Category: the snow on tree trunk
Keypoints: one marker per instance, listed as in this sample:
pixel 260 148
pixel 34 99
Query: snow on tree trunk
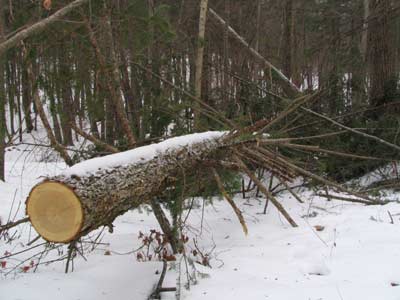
pixel 93 193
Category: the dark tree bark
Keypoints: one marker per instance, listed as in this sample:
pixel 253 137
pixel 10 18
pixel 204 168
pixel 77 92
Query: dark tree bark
pixel 26 96
pixel 2 97
pixel 381 56
pixel 42 114
pixel 287 38
pixel 67 113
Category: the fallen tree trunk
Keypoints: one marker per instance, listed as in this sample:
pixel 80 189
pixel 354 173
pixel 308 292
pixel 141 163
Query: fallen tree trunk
pixel 93 193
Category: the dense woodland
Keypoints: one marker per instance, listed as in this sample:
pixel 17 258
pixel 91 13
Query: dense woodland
pixel 126 73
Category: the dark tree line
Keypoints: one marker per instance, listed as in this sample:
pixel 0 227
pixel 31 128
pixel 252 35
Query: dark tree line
pixel 121 73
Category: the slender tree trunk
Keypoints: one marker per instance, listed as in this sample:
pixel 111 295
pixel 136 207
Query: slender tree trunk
pixel 225 69
pixel 115 77
pixel 26 97
pixel 381 55
pixel 113 82
pixel 39 107
pixel 2 97
pixel 357 96
pixel 54 116
pixel 67 113
pixel 10 91
pixel 19 98
pixel 364 34
pixel 258 25
pixel 199 61
pixel 287 38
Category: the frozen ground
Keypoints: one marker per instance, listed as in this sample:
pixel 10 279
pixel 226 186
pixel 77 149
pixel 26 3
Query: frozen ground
pixel 355 256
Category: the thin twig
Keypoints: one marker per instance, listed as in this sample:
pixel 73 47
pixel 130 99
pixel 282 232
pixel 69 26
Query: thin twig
pixel 93 139
pixel 34 240
pixel 158 289
pixel 10 225
pixel 337 153
pixel 290 190
pixel 70 256
pixel 295 106
pixel 351 199
pixel 326 181
pixel 22 251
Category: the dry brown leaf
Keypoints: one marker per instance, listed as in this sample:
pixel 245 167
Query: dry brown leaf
pixel 319 227
pixel 47 4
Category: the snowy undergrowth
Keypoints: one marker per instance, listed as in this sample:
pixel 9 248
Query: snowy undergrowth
pixel 355 256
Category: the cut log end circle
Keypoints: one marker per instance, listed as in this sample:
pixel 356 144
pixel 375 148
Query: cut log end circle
pixel 55 212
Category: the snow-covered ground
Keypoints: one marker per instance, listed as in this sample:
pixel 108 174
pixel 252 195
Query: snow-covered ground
pixel 355 256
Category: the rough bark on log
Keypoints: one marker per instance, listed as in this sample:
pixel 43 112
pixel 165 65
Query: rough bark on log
pixel 65 207
pixel 93 193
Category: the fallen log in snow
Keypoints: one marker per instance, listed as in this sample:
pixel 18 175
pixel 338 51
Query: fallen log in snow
pixel 93 193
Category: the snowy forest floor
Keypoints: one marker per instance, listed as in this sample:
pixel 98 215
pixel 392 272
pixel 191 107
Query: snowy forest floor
pixel 355 256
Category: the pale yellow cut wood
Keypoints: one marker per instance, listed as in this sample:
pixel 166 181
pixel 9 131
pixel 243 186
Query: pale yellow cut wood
pixel 55 212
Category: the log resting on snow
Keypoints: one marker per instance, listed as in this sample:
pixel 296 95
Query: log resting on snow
pixel 93 193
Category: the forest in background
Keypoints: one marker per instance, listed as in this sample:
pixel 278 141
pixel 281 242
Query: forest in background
pixel 123 73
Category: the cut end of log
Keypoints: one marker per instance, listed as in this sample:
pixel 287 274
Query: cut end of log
pixel 55 212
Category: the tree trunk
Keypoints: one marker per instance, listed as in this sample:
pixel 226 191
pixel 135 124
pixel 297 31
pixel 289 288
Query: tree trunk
pixel 114 103
pixel 287 38
pixel 90 195
pixel 199 61
pixel 67 113
pixel 381 55
pixel 364 33
pixel 26 96
pixel 2 98
pixel 39 107
pixel 11 91
pixel 116 84
pixel 54 115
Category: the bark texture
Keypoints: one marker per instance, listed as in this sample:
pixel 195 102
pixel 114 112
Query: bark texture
pixel 94 194
pixel 381 55
pixel 2 100
pixel 108 193
pixel 200 58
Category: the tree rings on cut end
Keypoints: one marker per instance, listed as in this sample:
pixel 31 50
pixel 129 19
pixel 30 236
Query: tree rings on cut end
pixel 55 212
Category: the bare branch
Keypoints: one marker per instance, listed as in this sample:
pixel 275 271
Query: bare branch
pixel 10 225
pixel 366 135
pixel 93 139
pixel 39 26
pixel 230 201
pixel 262 188
pixel 290 89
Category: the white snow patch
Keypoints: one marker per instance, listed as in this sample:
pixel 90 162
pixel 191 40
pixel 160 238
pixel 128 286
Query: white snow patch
pixel 357 253
pixel 107 277
pixel 387 172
